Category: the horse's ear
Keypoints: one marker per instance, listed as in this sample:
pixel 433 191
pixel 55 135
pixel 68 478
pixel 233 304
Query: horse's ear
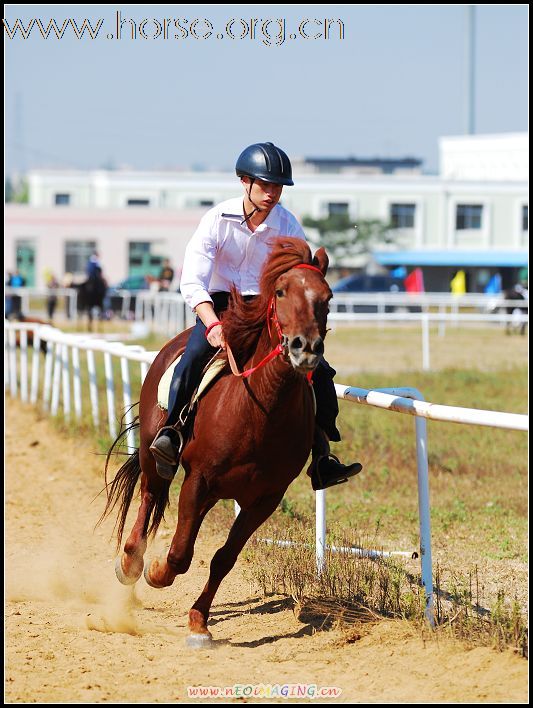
pixel 321 260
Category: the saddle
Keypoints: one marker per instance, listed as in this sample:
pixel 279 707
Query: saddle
pixel 210 374
pixel 168 452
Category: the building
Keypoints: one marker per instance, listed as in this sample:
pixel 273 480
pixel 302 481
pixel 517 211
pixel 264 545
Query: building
pixel 472 216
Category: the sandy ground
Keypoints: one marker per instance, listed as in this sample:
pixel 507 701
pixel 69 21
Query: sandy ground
pixel 75 635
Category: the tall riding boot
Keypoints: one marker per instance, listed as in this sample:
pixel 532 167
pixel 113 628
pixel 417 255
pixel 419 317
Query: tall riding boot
pixel 166 449
pixel 325 469
pixel 169 441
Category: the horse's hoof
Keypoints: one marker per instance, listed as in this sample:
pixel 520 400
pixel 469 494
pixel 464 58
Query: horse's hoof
pixel 147 578
pixel 199 641
pixel 123 578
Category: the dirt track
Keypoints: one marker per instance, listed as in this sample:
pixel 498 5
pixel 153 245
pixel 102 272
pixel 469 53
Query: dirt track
pixel 75 635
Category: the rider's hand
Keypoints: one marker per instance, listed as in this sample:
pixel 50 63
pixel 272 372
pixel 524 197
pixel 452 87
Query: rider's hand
pixel 216 337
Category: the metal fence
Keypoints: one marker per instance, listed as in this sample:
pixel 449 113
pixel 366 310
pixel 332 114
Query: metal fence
pixel 61 376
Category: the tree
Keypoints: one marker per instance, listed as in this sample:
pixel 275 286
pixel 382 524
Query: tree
pixel 17 192
pixel 342 238
pixel 8 190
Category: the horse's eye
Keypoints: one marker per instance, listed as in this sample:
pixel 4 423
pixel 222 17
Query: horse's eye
pixel 279 293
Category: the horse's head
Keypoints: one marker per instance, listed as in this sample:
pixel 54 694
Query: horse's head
pixel 301 297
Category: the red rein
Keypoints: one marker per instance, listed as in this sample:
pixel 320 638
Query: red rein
pixel 271 314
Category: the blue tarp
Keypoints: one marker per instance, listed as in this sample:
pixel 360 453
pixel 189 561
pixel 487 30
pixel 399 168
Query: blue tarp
pixel 498 259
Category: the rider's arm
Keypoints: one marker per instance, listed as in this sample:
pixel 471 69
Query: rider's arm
pixel 199 262
pixel 207 314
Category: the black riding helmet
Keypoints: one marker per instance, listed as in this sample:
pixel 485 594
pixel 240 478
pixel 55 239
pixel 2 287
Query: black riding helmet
pixel 265 161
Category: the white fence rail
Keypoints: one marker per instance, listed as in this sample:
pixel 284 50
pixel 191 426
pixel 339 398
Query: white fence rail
pixel 168 311
pixel 60 379
pixel 26 296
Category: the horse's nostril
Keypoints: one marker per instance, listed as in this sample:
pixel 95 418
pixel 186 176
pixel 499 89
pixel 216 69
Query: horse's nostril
pixel 318 346
pixel 297 343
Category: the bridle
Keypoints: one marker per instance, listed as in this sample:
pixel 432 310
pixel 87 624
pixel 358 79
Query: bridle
pixel 283 345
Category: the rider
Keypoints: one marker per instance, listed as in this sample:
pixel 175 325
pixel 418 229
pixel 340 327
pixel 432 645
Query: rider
pixel 229 248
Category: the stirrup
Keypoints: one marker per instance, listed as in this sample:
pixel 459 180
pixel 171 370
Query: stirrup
pixel 321 481
pixel 167 461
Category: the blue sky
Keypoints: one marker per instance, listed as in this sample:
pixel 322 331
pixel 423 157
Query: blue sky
pixel 390 87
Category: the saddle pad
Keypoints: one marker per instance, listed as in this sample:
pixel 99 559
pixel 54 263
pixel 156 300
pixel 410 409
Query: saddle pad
pixel 210 375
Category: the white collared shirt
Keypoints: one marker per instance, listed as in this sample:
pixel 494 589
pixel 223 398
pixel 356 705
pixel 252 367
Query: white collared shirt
pixel 224 252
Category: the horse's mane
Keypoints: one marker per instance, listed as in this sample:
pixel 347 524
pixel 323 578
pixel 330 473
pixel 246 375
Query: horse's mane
pixel 244 321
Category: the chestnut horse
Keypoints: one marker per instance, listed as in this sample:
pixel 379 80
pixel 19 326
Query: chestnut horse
pixel 250 437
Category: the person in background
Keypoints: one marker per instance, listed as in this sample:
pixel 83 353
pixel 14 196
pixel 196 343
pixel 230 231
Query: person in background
pixel 94 266
pixel 68 282
pixel 52 284
pixel 16 281
pixel 166 276
pixel 8 303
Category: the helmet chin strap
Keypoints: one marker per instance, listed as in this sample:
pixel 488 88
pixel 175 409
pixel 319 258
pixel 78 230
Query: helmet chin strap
pixel 252 202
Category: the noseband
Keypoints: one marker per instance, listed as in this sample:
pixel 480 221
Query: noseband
pixel 282 347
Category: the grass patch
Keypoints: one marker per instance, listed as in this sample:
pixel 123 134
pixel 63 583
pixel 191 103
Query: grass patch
pixel 354 591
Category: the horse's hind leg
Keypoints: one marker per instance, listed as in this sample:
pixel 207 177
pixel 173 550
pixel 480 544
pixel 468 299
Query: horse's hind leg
pixel 246 523
pixel 194 503
pixel 129 566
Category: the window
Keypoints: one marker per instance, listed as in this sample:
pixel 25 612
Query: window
pixel 77 254
pixel 402 216
pixel 525 218
pixel 468 216
pixel 138 202
pixel 335 208
pixel 142 261
pixel 196 203
pixel 62 199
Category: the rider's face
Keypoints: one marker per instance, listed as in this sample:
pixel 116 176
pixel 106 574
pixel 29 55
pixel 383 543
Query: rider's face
pixel 264 195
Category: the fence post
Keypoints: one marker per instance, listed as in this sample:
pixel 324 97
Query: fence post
pixel 424 515
pixel 320 535
pixel 93 389
pixel 126 396
pixel 35 365
pixel 12 339
pixel 76 381
pixel 66 380
pixel 48 362
pixel 56 379
pixel 6 357
pixel 24 365
pixel 110 392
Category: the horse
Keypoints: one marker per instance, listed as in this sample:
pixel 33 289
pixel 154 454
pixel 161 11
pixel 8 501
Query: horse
pixel 519 312
pixel 91 294
pixel 251 435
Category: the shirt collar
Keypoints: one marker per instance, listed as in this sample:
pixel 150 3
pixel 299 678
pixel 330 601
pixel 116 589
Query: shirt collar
pixel 235 210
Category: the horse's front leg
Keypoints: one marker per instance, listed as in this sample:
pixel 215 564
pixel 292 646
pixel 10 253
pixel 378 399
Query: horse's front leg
pixel 246 523
pixel 194 503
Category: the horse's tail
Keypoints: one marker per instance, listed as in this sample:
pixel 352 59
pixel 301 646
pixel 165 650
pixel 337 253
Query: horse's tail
pixel 120 490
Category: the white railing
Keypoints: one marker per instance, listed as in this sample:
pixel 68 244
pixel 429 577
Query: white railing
pixel 58 378
pixel 27 294
pixel 167 312
pixel 446 301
